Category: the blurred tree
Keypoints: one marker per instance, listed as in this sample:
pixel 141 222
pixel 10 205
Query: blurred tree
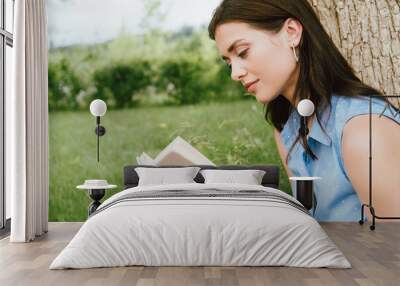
pixel 63 86
pixel 117 84
pixel 184 79
pixel 153 17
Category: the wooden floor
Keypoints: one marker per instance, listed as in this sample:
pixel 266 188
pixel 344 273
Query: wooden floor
pixel 374 255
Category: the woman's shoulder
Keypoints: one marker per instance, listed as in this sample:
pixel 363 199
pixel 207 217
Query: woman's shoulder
pixel 356 131
pixel 347 107
pixel 334 117
pixel 346 104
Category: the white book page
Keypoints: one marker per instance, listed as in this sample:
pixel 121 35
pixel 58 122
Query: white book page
pixel 145 159
pixel 179 151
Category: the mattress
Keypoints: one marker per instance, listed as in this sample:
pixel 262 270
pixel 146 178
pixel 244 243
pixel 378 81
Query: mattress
pixel 201 225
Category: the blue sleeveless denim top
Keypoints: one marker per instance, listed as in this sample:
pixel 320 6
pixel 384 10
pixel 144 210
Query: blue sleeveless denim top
pixel 337 200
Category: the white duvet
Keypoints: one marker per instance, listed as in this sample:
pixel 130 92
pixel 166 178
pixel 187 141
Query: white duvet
pixel 200 231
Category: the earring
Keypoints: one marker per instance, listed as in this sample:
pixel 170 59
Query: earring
pixel 294 53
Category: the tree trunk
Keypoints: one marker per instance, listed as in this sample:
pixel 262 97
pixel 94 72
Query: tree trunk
pixel 367 32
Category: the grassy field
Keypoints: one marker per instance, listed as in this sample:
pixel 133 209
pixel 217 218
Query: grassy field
pixel 227 133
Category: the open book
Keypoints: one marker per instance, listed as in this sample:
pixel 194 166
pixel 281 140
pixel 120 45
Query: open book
pixel 178 152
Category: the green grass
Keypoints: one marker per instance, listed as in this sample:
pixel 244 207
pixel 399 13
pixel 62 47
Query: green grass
pixel 227 133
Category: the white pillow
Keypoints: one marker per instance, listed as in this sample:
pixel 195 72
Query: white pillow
pixel 162 176
pixel 249 177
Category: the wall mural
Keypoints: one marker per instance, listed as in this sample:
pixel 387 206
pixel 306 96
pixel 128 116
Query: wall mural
pixel 162 79
pixel 161 85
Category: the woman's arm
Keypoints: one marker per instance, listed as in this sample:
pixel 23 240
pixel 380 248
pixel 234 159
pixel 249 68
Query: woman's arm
pixel 385 161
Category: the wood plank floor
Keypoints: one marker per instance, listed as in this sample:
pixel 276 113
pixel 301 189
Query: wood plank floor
pixel 374 255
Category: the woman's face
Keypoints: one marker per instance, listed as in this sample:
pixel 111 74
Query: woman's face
pixel 262 61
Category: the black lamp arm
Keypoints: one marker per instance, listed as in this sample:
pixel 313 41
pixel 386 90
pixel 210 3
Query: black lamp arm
pixel 99 131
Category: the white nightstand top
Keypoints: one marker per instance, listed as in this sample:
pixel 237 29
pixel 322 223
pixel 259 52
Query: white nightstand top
pixel 96 185
pixel 304 178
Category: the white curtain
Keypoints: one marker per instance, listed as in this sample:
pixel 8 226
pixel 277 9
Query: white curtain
pixel 27 124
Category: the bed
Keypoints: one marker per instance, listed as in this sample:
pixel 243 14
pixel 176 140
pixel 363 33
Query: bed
pixel 201 224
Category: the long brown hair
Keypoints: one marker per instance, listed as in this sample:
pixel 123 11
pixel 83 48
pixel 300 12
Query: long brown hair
pixel 323 69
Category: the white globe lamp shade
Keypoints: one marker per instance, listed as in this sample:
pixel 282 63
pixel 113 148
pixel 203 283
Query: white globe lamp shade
pixel 98 107
pixel 305 107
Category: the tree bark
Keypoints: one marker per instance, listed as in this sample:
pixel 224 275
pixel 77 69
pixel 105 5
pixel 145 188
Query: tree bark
pixel 367 32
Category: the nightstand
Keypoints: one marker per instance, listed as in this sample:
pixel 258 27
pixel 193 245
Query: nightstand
pixel 96 190
pixel 304 190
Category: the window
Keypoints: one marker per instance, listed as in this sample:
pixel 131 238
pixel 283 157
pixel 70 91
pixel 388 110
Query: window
pixel 6 43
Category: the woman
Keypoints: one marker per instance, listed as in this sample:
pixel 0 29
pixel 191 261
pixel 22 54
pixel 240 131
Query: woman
pixel 280 52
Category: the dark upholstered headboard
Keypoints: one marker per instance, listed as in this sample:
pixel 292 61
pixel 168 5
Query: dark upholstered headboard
pixel 270 179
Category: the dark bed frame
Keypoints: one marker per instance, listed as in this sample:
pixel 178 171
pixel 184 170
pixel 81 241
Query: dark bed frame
pixel 270 179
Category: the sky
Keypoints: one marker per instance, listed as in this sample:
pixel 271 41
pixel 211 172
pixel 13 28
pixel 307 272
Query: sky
pixel 93 21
